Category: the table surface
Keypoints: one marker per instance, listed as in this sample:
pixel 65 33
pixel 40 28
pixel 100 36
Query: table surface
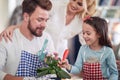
pixel 74 77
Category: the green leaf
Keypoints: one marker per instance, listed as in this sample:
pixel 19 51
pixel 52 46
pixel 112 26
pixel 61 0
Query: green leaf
pixel 64 74
pixel 42 69
pixel 53 69
pixel 42 73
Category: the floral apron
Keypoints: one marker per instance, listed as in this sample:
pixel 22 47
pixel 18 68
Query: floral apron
pixel 92 71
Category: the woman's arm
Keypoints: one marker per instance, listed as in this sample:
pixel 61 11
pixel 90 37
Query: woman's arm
pixel 8 32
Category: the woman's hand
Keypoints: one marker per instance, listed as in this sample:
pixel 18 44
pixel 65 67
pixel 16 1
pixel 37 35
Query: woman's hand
pixel 8 33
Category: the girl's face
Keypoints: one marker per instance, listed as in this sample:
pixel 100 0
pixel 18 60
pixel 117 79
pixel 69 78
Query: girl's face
pixel 75 6
pixel 90 35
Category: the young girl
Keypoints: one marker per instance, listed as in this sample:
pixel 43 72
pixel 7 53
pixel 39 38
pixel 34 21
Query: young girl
pixel 96 59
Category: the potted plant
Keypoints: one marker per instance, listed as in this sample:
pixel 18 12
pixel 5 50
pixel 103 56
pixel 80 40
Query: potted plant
pixel 52 68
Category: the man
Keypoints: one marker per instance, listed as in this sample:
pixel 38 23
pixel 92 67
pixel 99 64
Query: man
pixel 19 60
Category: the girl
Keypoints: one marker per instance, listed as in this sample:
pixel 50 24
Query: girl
pixel 96 59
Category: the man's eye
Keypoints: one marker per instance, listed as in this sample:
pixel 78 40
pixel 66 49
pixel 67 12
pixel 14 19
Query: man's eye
pixel 83 33
pixel 74 0
pixel 39 20
pixel 88 33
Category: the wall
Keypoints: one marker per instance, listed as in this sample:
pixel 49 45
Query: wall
pixel 3 14
pixel 6 9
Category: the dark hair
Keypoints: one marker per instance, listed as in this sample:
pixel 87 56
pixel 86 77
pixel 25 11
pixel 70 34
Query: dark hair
pixel 29 6
pixel 101 27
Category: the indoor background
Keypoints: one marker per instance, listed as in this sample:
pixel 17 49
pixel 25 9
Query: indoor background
pixel 108 9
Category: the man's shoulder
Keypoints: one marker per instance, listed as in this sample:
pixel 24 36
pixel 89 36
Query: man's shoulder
pixel 13 38
pixel 16 31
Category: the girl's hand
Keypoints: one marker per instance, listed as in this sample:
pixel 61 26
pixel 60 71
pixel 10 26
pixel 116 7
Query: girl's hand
pixel 65 64
pixel 65 55
pixel 8 33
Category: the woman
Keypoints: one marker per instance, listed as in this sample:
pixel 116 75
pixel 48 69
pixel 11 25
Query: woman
pixel 65 21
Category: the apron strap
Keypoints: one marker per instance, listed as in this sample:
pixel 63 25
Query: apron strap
pixel 84 57
pixel 102 54
pixel 100 57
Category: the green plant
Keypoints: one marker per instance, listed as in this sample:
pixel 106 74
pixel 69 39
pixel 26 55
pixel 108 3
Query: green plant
pixel 52 68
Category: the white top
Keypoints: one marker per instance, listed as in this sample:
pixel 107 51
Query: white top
pixel 10 52
pixel 57 28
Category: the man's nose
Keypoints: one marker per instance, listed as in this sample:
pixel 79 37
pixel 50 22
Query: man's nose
pixel 44 23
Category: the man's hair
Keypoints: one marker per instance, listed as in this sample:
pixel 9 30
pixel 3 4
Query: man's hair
pixel 29 6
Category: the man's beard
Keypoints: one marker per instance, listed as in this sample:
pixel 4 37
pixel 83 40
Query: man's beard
pixel 34 31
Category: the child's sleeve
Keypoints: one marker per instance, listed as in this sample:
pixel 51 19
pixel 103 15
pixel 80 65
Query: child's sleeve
pixel 77 67
pixel 112 66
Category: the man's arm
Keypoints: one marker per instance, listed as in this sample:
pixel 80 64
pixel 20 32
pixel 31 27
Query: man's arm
pixel 3 58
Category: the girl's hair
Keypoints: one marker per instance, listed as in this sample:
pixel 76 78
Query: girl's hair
pixel 101 27
pixel 89 8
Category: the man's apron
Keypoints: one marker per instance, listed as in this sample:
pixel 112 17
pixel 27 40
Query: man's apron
pixel 28 65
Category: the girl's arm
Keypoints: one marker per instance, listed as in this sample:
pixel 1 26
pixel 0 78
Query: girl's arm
pixel 77 67
pixel 112 66
pixel 8 32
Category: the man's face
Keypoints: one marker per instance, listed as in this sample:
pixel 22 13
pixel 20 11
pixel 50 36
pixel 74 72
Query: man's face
pixel 37 21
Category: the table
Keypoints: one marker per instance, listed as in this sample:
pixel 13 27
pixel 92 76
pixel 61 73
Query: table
pixel 74 77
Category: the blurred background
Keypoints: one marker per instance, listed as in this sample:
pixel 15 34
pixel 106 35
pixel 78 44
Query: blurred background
pixel 108 9
pixel 6 10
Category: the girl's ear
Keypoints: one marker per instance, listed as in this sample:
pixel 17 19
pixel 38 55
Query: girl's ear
pixel 98 35
pixel 26 17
